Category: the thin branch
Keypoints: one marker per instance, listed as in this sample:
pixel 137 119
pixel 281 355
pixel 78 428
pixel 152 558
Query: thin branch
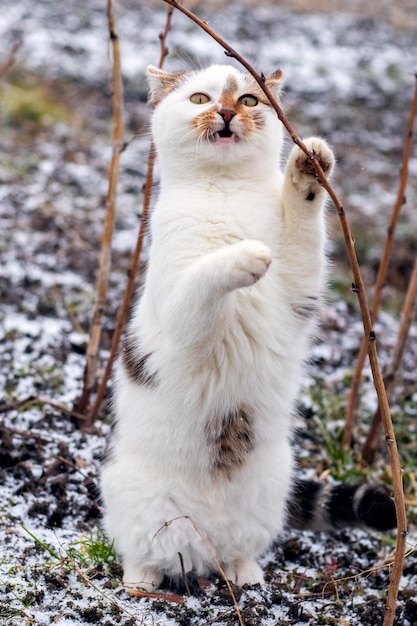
pixel 122 312
pixel 4 67
pixel 382 272
pixel 366 319
pixel 22 405
pixel 157 595
pixel 213 556
pixel 132 272
pixel 407 317
pixel 90 373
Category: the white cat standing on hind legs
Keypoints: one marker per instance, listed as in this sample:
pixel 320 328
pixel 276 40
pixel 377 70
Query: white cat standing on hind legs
pixel 200 463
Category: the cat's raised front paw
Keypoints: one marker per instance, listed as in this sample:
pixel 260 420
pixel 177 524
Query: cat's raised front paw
pixel 301 167
pixel 251 262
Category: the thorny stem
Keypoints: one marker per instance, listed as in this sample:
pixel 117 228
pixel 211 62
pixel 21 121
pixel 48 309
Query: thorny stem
pixel 366 319
pixel 132 272
pixel 382 272
pixel 90 373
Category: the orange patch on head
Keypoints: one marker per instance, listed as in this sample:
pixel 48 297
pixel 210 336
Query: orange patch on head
pixel 203 122
pixel 228 98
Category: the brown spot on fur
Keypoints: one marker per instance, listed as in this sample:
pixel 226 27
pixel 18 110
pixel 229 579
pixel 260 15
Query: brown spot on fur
pixel 231 439
pixel 136 365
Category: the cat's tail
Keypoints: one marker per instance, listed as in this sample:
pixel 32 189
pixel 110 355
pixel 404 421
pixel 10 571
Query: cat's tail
pixel 314 505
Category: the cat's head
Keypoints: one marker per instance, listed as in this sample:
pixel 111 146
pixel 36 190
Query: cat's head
pixel 214 118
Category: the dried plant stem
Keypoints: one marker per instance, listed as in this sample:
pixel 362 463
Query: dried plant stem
pixel 157 595
pixel 122 312
pixel 213 556
pixel 372 442
pixel 358 287
pixel 22 405
pixel 90 373
pixel 4 67
pixel 382 273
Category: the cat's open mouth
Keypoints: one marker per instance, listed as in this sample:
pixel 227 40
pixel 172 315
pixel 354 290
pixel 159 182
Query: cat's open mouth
pixel 225 136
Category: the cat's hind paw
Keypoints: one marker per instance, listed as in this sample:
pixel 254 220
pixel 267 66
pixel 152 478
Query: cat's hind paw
pixel 147 579
pixel 242 572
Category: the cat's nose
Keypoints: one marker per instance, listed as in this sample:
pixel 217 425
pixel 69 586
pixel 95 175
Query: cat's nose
pixel 227 114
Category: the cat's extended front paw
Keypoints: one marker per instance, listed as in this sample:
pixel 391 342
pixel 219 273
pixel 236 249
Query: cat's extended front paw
pixel 252 259
pixel 301 168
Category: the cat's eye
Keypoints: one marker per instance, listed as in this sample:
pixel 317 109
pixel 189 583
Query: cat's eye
pixel 199 98
pixel 248 100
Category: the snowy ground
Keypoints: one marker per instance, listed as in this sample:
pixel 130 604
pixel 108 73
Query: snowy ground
pixel 348 77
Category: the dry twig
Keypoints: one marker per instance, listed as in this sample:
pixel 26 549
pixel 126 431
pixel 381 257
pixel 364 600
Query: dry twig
pixel 22 405
pixel 122 312
pixel 213 556
pixel 382 273
pixel 358 287
pixel 4 67
pixel 372 441
pixel 90 372
pixel 157 595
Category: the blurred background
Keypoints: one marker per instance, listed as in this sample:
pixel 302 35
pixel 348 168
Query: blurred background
pixel 349 76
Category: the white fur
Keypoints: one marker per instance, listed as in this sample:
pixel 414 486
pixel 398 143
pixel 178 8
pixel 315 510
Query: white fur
pixel 237 253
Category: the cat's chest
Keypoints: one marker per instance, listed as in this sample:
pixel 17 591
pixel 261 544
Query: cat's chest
pixel 220 212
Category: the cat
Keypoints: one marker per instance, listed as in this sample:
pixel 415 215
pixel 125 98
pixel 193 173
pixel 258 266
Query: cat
pixel 200 475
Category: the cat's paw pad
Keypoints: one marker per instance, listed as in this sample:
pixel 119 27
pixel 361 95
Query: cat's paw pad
pixel 252 261
pixel 302 170
pixel 243 572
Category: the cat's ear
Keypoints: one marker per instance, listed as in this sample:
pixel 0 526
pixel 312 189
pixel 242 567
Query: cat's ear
pixel 162 83
pixel 273 81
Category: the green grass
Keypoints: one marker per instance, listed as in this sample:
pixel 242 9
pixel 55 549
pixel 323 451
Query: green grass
pixel 93 549
pixel 29 101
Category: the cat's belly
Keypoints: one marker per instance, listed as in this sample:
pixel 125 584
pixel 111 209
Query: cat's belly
pixel 201 520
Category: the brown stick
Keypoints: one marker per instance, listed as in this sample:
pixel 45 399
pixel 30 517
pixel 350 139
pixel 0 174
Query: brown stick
pixel 122 312
pixel 90 372
pixel 157 595
pixel 372 442
pixel 358 287
pixel 132 272
pixel 382 273
pixel 4 67
pixel 212 553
